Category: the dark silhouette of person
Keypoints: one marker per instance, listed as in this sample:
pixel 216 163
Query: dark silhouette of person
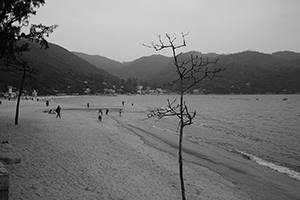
pixel 122 103
pixel 47 103
pixel 88 105
pixel 100 115
pixel 58 112
pixel 120 112
pixel 106 112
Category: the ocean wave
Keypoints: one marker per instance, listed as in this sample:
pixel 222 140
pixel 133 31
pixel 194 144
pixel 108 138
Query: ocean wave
pixel 284 170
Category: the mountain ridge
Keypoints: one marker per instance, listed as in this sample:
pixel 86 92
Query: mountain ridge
pixel 247 72
pixel 59 71
pixel 129 69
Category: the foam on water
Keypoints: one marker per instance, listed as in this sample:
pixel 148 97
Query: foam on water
pixel 284 170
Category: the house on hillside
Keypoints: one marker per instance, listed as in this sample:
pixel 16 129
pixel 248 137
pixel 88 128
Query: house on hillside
pixel 159 91
pixel 12 92
pixel 34 93
pixel 87 90
pixel 109 91
pixel 139 89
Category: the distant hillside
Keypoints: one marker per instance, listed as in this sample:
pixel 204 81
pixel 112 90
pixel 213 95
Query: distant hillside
pixel 109 65
pixel 287 55
pixel 168 73
pixel 247 73
pixel 59 71
pixel 143 68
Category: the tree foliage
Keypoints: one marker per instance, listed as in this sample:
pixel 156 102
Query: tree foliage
pixel 14 15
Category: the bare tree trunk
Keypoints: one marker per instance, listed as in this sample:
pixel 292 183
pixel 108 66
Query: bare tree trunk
pixel 19 97
pixel 181 163
pixel 180 145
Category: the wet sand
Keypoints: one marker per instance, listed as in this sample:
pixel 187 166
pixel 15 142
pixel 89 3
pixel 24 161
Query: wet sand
pixel 78 157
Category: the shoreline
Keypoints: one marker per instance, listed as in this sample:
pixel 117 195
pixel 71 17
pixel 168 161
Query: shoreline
pixel 208 175
pixel 258 181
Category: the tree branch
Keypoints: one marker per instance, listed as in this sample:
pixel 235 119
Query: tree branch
pixel 187 77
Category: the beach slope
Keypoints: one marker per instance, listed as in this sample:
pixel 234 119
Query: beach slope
pixel 78 157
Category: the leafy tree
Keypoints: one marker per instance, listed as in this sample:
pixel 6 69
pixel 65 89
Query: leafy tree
pixel 14 15
pixel 130 85
pixel 190 72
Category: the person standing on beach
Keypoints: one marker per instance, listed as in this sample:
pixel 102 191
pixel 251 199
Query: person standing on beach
pixel 120 112
pixel 58 112
pixel 100 115
pixel 106 112
pixel 88 105
pixel 122 103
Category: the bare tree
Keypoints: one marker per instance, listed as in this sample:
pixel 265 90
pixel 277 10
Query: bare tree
pixel 190 72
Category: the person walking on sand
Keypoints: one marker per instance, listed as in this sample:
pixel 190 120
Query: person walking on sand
pixel 100 115
pixel 120 112
pixel 123 103
pixel 58 112
pixel 106 112
pixel 88 105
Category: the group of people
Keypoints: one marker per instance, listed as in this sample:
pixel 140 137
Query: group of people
pixel 123 103
pixel 100 113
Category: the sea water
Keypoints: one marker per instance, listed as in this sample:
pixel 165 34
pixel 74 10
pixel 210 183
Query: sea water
pixel 262 128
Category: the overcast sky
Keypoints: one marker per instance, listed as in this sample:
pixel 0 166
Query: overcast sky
pixel 116 28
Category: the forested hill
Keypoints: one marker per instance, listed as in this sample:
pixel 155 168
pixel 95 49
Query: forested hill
pixel 246 73
pixel 59 71
pixel 144 68
pixel 104 63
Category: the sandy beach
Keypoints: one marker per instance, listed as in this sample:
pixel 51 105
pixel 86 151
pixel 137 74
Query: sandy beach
pixel 78 157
